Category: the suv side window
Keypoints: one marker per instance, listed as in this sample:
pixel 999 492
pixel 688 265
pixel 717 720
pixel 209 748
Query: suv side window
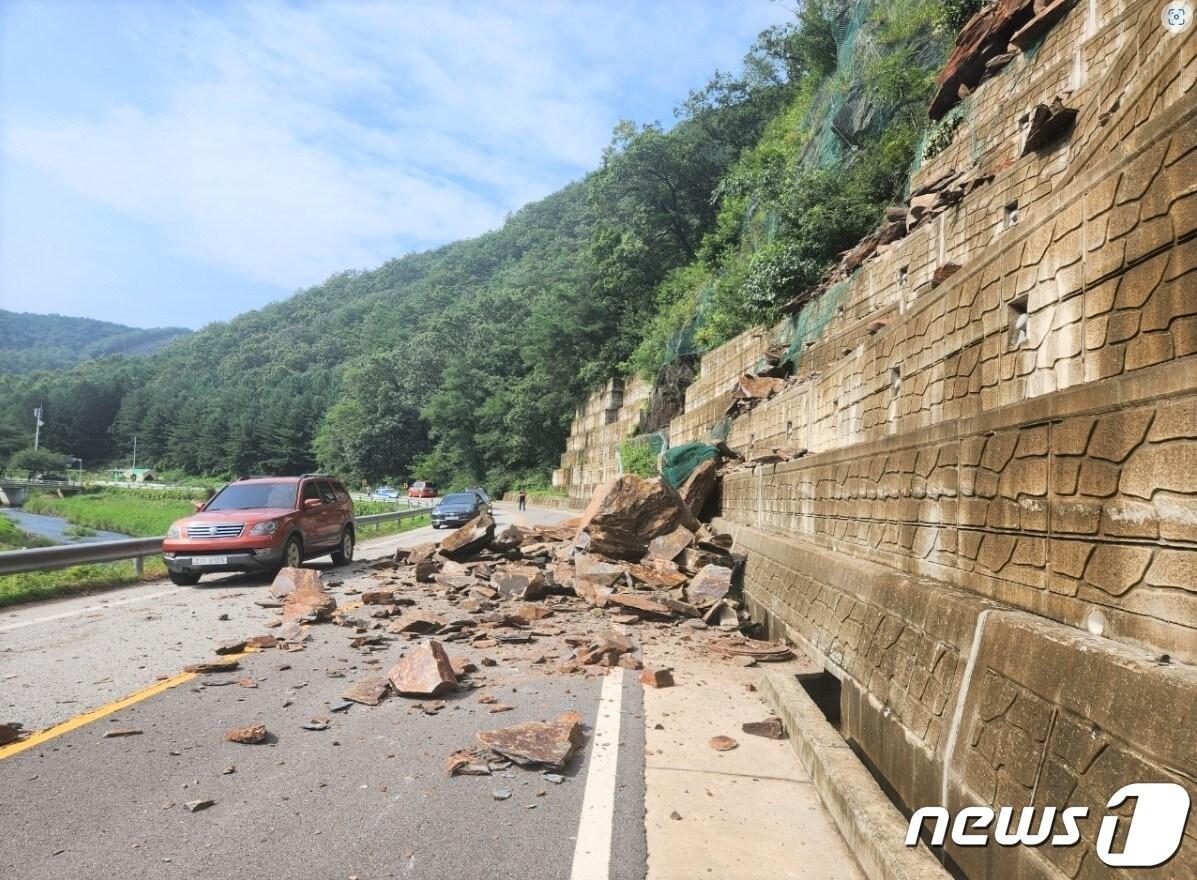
pixel 310 491
pixel 339 491
pixel 326 493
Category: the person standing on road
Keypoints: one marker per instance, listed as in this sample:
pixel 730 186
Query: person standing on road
pixel 523 500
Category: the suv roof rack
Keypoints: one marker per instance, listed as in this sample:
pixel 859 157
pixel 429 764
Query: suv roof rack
pixel 323 476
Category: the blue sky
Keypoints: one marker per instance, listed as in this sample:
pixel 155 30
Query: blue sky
pixel 169 163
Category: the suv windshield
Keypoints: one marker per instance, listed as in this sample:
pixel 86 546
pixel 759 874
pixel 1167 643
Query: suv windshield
pixel 243 496
pixel 467 498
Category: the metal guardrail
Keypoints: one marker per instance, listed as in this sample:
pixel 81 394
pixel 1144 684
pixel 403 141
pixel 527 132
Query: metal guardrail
pixel 47 558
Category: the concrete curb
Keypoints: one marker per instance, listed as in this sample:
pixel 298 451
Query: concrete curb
pixel 871 825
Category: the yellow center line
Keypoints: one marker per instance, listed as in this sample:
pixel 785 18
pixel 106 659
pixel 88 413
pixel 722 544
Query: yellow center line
pixel 86 718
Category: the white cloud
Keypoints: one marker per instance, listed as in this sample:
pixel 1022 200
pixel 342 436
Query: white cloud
pixel 286 143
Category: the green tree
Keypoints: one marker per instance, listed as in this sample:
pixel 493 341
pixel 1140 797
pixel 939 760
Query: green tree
pixel 37 461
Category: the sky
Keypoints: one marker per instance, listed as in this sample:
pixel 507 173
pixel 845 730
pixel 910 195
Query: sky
pixel 171 163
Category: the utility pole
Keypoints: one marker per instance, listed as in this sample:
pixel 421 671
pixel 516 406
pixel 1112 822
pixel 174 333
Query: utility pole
pixel 37 426
pixel 134 452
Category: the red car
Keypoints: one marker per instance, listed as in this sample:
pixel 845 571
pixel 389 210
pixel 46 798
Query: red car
pixel 262 524
pixel 421 489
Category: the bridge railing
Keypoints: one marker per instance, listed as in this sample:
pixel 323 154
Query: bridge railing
pixel 137 549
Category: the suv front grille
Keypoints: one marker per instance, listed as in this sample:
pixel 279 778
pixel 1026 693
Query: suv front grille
pixel 215 530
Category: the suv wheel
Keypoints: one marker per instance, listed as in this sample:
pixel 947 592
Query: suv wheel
pixel 344 552
pixel 293 552
pixel 184 579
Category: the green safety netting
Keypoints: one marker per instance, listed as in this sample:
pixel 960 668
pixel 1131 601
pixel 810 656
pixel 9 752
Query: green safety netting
pixel 814 317
pixel 680 461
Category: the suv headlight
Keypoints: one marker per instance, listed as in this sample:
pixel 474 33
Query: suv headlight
pixel 175 531
pixel 264 528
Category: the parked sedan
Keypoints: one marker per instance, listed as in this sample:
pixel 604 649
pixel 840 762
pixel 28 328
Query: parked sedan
pixel 457 509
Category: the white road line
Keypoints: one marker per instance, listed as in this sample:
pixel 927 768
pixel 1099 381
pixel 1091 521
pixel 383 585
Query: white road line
pixel 86 610
pixel 592 854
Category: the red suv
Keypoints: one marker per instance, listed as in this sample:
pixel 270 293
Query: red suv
pixel 262 524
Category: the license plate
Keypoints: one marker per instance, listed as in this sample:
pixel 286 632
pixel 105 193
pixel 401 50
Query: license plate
pixel 209 560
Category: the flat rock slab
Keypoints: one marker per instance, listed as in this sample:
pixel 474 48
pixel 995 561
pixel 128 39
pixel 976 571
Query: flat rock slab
pixel 549 744
pixel 643 604
pixel 666 547
pixel 369 691
pixel 425 672
pixel 625 515
pixel 222 664
pixel 471 538
pixel 524 582
pixel 416 622
pixel 710 585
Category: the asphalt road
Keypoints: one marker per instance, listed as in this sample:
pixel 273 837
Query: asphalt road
pixel 369 797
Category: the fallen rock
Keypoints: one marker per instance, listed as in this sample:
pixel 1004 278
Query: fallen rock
pixel 425 570
pixel 723 743
pixel 710 585
pixel 369 691
pixel 699 485
pixel 425 672
pixel 223 664
pixel 266 641
pixel 196 806
pixel 1048 125
pixel 639 603
pixel 657 678
pixel 549 744
pixel 10 732
pixel 525 582
pixel 626 514
pixel 122 731
pixel 666 547
pixel 509 537
pixel 470 538
pixel 378 597
pixel 605 650
pixel 253 735
pixel 770 728
pixel 739 646
pixel 657 574
pixel 232 647
pixel 309 600
pixel 416 622
pixel 288 580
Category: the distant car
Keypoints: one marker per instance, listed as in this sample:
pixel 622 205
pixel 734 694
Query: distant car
pixel 386 492
pixel 482 496
pixel 263 524
pixel 457 509
pixel 421 489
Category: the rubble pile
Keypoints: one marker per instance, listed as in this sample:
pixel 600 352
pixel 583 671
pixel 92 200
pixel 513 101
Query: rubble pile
pixel 438 624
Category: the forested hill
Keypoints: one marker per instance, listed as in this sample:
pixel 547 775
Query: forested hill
pixel 31 342
pixel 464 364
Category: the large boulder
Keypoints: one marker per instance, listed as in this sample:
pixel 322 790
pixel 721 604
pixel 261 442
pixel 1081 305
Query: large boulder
pixel 307 600
pixel 626 514
pixel 474 537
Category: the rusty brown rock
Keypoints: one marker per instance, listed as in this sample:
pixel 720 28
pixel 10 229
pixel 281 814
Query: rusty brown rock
pixel 658 575
pixel 369 691
pixel 739 646
pixel 10 732
pixel 223 664
pixel 471 538
pixel 530 611
pixel 710 585
pixel 770 728
pixel 288 580
pixel 657 678
pixel 261 641
pixel 253 735
pixel 547 744
pixel 416 622
pixel 426 671
pixel 378 597
pixel 309 600
pixel 235 647
pixel 985 35
pixel 641 604
pixel 723 743
pixel 758 387
pixel 422 553
pixel 722 615
pixel 693 560
pixel 425 569
pixel 605 649
pixel 699 485
pixel 666 547
pixel 462 665
pixel 524 582
pixel 626 514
